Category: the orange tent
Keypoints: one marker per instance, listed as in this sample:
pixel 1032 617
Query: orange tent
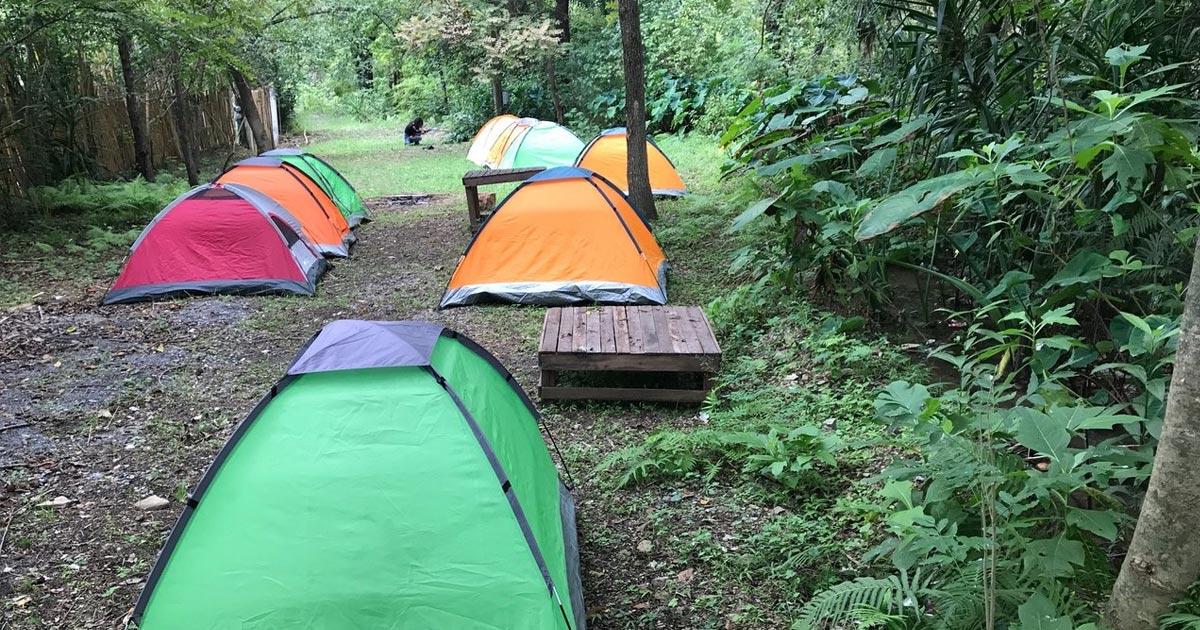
pixel 606 155
pixel 319 216
pixel 564 236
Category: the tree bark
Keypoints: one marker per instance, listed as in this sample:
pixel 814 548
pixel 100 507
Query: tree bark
pixel 562 19
pixel 497 96
pixel 142 156
pixel 262 136
pixel 181 116
pixel 562 15
pixel 635 107
pixel 555 98
pixel 1164 557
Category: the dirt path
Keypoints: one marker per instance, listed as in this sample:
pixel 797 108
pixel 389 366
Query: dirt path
pixel 105 406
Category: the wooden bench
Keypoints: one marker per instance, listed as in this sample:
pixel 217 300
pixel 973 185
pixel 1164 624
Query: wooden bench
pixel 672 339
pixel 472 180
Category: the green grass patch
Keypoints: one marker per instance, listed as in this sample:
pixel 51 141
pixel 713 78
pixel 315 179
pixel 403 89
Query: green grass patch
pixel 373 157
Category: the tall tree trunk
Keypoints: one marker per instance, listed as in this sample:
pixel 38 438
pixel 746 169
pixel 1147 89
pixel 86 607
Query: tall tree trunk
pixel 262 136
pixel 562 16
pixel 133 106
pixel 562 19
pixel 181 116
pixel 497 96
pixel 635 107
pixel 555 98
pixel 1164 558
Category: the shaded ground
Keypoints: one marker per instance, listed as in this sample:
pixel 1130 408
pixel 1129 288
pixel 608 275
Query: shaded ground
pixel 106 406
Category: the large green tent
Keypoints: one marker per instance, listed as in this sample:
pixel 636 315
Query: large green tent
pixel 395 478
pixel 330 180
pixel 543 144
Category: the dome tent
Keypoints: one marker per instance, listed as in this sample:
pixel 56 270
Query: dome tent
pixel 607 154
pixel 219 239
pixel 320 217
pixel 318 511
pixel 510 142
pixel 564 236
pixel 543 144
pixel 330 180
pixel 486 137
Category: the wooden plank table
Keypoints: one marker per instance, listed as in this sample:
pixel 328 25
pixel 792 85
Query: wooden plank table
pixel 675 339
pixel 472 180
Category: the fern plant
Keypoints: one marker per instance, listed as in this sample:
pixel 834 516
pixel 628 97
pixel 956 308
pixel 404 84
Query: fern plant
pixel 894 600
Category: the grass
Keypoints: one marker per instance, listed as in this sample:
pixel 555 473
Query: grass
pixel 373 157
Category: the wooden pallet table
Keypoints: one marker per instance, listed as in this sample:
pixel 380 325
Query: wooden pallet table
pixel 672 339
pixel 472 180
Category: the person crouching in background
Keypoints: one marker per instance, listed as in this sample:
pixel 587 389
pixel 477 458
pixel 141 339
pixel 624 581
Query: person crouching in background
pixel 412 133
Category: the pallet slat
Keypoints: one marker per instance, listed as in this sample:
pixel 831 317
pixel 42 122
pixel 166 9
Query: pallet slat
pixel 550 330
pixel 579 336
pixel 623 393
pixel 566 328
pixel 621 329
pixel 608 343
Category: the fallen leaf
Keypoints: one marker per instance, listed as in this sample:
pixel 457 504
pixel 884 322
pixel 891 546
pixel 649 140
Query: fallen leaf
pixel 55 502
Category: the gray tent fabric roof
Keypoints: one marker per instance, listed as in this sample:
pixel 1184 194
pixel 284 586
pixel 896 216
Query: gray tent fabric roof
pixel 353 344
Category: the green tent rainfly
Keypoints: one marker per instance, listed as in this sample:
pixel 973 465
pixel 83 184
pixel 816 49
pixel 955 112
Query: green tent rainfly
pixel 330 181
pixel 395 478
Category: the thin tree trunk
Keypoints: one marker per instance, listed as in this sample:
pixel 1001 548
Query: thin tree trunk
pixel 181 115
pixel 1164 558
pixel 635 107
pixel 497 96
pixel 555 98
pixel 133 106
pixel 262 136
pixel 562 15
pixel 562 18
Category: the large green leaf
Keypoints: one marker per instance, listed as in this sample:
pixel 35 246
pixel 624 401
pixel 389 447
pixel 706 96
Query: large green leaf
pixel 915 200
pixel 1053 557
pixel 1127 164
pixel 1039 614
pixel 903 132
pixel 1085 267
pixel 753 212
pixel 1043 434
pixel 877 162
pixel 1102 523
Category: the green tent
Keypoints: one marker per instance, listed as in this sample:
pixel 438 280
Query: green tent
pixel 330 181
pixel 395 478
pixel 542 143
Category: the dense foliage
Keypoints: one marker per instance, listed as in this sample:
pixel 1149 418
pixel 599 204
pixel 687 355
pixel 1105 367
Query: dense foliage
pixel 1034 168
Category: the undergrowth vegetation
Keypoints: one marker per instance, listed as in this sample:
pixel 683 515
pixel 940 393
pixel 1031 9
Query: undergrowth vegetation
pixel 1026 217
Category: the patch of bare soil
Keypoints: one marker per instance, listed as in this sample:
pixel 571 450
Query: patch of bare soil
pixel 101 407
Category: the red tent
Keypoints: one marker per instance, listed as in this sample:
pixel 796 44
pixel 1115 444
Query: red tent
pixel 219 239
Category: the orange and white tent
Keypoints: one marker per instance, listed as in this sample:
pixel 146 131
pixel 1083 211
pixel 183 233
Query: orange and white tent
pixel 320 219
pixel 606 154
pixel 481 146
pixel 564 236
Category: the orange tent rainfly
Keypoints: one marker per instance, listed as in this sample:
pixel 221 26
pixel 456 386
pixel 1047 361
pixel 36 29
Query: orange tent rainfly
pixel 606 154
pixel 564 236
pixel 319 216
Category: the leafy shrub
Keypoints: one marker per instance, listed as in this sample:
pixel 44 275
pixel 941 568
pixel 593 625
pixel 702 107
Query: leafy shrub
pixel 787 456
